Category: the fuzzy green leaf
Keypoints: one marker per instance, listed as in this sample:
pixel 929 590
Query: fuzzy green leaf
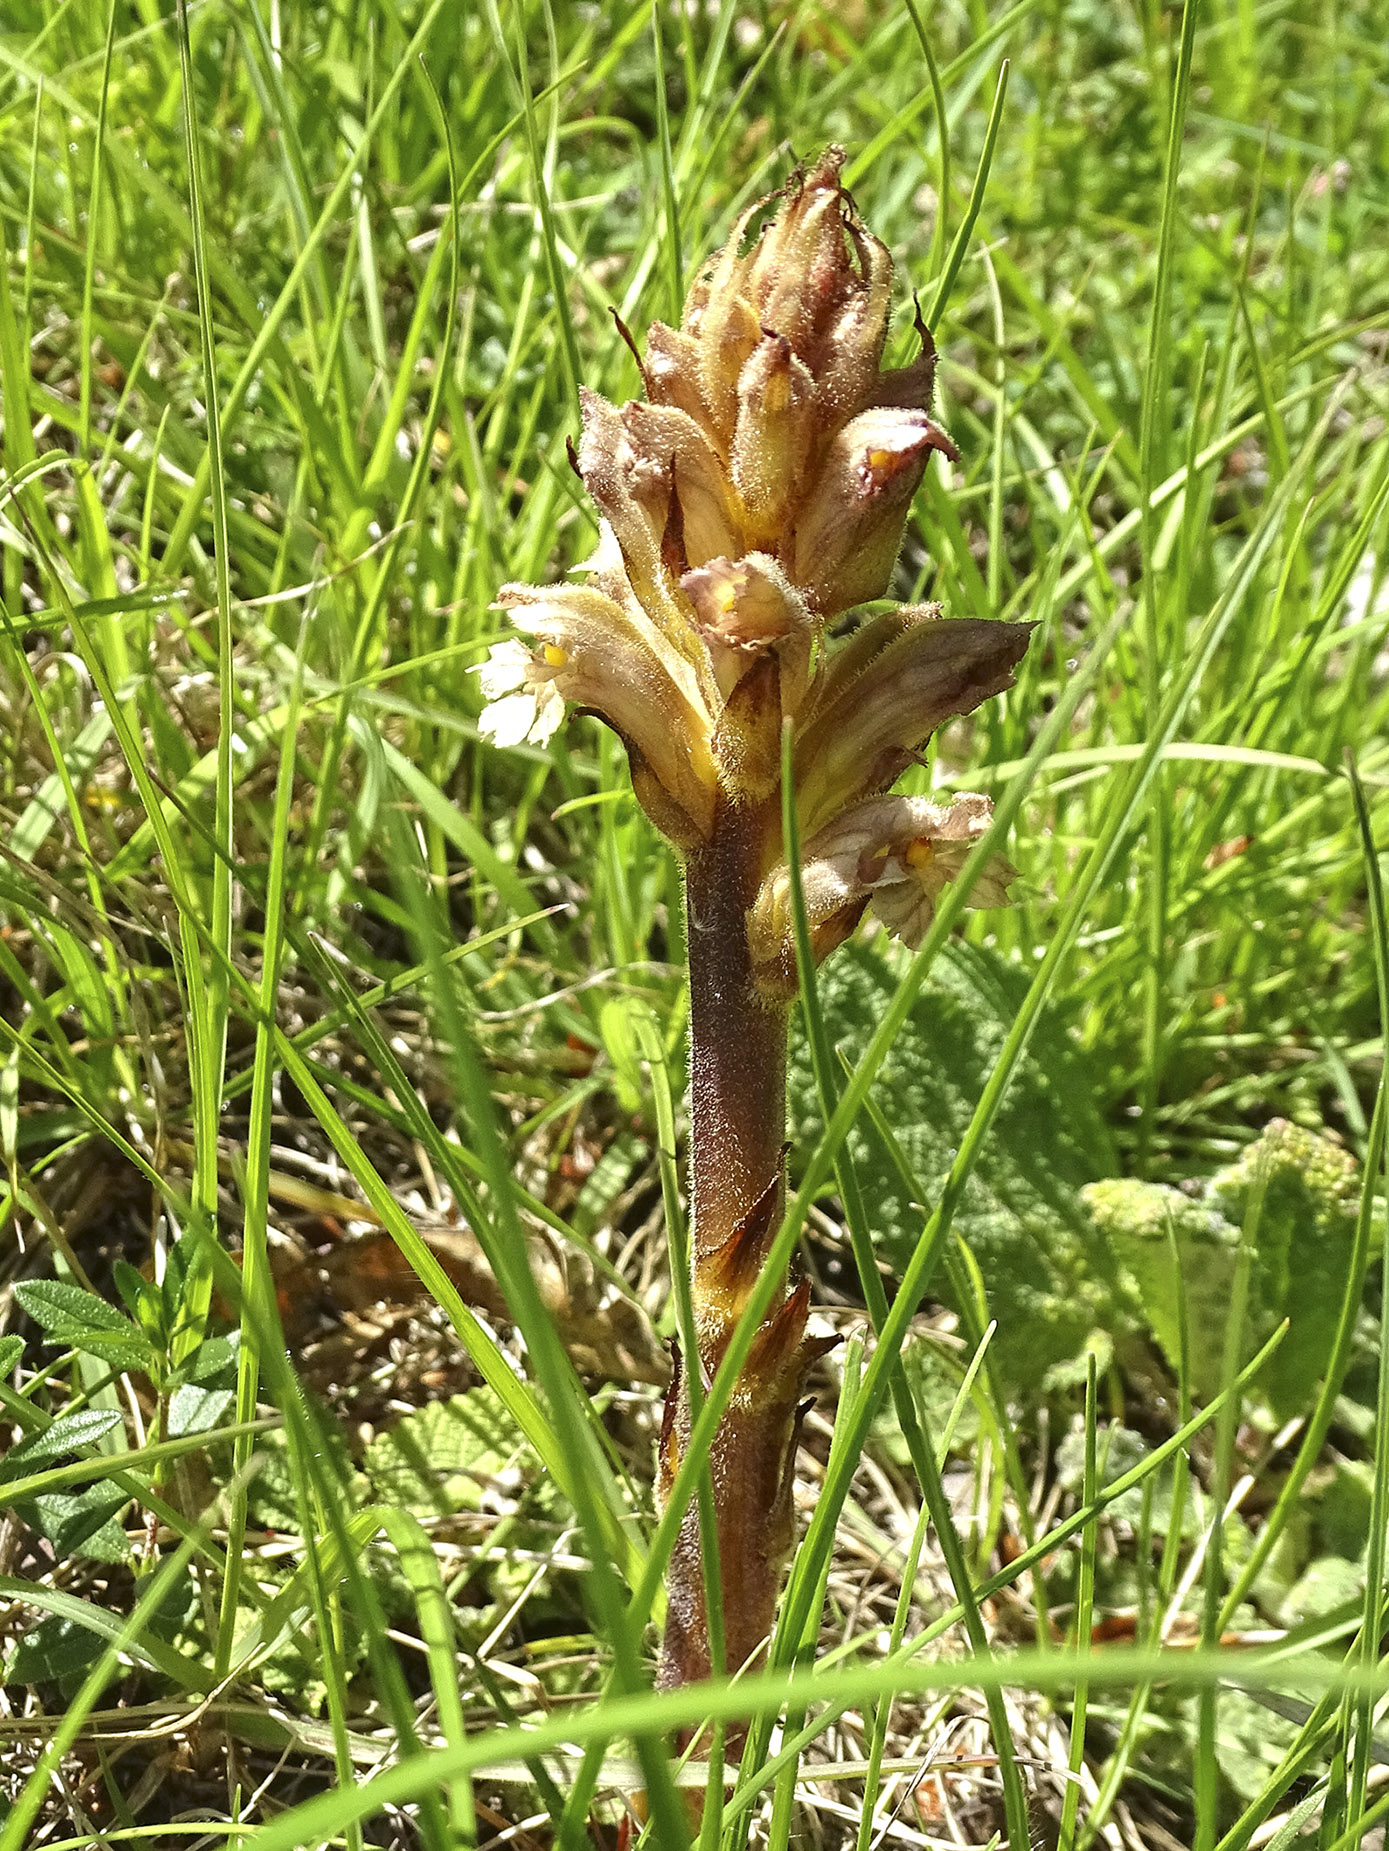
pixel 67 1434
pixel 1043 1267
pixel 1306 1229
pixel 1303 1234
pixel 60 1308
pixel 1140 1221
pixel 447 1456
pixel 68 1315
pixel 205 1387
pixel 272 1499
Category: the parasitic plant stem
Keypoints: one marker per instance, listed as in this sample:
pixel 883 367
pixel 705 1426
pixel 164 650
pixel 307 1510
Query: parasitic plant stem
pixel 748 503
pixel 737 1032
pixel 737 1125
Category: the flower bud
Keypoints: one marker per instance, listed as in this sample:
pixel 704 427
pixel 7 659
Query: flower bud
pixel 867 727
pixel 802 275
pixel 669 444
pixel 849 530
pixel 819 278
pixel 849 354
pixel 745 607
pixel 911 387
pixel 719 317
pixel 773 439
pixel 670 371
pixel 759 636
pixel 815 277
pixel 633 495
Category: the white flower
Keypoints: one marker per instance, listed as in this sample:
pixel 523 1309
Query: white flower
pixel 905 893
pixel 519 686
pixel 895 854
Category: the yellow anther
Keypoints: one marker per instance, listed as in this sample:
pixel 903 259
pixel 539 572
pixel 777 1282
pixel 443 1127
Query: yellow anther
pixel 555 656
pixel 921 853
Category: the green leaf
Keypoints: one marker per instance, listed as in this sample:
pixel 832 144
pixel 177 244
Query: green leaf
pixel 80 1523
pixel 1250 1742
pixel 1140 1220
pixel 1045 1271
pixel 620 1044
pixel 1118 1450
pixel 1345 1507
pixel 121 1353
pixel 193 1409
pixel 85 1322
pixel 1325 1585
pixel 56 1651
pixel 67 1434
pixel 142 1299
pixel 1306 1231
pixel 205 1386
pixel 272 1500
pixel 11 1349
pixel 60 1308
pixel 934 1379
pixel 446 1456
pixel 9 1103
pixel 99 1624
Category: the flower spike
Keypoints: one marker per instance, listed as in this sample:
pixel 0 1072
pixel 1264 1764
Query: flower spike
pixel 753 498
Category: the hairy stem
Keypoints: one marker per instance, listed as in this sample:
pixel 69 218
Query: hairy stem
pixel 737 1039
pixel 737 1127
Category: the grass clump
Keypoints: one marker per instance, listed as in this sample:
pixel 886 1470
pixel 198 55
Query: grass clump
pixel 341 1054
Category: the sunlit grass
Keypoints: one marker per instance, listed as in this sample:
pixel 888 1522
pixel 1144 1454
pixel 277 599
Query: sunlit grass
pixel 293 306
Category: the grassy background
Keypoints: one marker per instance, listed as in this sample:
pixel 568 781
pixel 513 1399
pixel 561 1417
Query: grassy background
pixel 293 306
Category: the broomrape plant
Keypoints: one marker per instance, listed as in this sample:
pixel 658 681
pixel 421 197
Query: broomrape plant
pixel 756 496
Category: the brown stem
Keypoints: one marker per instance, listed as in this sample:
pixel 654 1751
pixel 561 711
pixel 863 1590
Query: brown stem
pixel 737 1040
pixel 737 1127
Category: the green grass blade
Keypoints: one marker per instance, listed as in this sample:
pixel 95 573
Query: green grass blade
pixel 959 247
pixel 800 1608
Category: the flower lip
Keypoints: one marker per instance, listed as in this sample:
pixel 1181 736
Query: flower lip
pixel 880 462
pixel 523 704
pixel 893 853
